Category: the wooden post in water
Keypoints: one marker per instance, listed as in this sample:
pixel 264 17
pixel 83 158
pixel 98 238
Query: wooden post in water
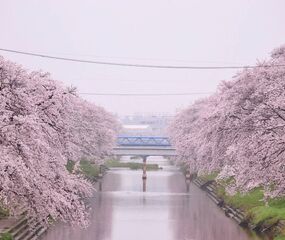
pixel 144 185
pixel 100 171
pixel 187 180
pixel 100 184
pixel 144 167
pixel 100 177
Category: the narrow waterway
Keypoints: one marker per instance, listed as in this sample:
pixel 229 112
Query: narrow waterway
pixel 122 211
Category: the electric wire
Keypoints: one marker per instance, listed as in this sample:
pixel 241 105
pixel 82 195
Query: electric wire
pixel 134 64
pixel 146 94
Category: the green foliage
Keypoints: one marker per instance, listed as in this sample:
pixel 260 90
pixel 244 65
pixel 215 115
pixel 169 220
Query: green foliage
pixel 246 201
pixel 135 166
pixel 6 236
pixel 113 163
pixel 277 203
pixel 209 177
pixel 131 165
pixel 254 206
pixel 267 215
pixel 252 202
pixel 270 214
pixel 279 238
pixel 70 165
pixel 89 170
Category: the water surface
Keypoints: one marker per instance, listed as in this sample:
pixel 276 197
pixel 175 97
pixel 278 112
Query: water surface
pixel 122 211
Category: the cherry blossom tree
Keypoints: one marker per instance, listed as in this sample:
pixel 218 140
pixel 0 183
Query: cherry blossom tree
pixel 239 130
pixel 91 130
pixel 39 120
pixel 259 153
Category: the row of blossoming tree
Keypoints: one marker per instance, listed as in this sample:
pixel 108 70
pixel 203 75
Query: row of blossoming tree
pixel 43 125
pixel 240 130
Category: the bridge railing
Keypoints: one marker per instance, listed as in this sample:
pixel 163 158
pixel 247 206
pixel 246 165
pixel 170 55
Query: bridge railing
pixel 143 141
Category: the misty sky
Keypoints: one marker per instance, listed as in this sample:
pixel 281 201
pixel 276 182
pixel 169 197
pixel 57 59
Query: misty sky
pixel 176 32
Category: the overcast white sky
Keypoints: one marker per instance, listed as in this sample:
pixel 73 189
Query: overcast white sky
pixel 177 32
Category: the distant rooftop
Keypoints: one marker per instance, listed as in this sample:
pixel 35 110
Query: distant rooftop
pixel 135 126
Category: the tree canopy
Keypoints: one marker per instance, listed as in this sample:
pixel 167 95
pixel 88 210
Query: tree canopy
pixel 43 124
pixel 240 130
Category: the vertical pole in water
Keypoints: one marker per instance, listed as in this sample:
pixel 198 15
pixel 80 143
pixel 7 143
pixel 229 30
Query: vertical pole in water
pixel 188 180
pixel 100 177
pixel 144 167
pixel 100 171
pixel 144 173
pixel 100 185
pixel 144 185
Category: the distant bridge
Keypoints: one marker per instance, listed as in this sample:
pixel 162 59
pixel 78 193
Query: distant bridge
pixel 143 141
pixel 143 146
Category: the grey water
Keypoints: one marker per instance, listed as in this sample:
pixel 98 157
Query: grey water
pixel 167 210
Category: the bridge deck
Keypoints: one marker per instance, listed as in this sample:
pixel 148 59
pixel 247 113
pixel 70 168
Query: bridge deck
pixel 144 151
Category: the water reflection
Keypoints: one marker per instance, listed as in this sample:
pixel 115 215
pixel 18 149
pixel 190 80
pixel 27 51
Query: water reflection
pixel 161 207
pixel 195 216
pixel 144 185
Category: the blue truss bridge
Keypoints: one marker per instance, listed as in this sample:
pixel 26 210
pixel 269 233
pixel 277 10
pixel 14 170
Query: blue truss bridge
pixel 143 146
pixel 143 141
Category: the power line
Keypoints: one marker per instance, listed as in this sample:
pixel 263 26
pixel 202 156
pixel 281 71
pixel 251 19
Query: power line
pixel 133 64
pixel 147 94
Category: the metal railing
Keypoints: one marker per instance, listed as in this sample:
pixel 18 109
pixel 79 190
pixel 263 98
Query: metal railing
pixel 143 141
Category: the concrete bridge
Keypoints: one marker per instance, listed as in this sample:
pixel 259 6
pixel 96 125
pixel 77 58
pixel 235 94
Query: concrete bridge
pixel 143 147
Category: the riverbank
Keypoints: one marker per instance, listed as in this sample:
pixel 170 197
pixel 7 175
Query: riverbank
pixel 131 165
pixel 249 209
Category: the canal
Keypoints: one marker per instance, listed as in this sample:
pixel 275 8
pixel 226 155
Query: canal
pixel 166 210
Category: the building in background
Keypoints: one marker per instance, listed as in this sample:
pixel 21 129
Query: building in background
pixel 145 125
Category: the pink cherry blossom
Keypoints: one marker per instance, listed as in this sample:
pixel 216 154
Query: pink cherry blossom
pixel 43 125
pixel 239 130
